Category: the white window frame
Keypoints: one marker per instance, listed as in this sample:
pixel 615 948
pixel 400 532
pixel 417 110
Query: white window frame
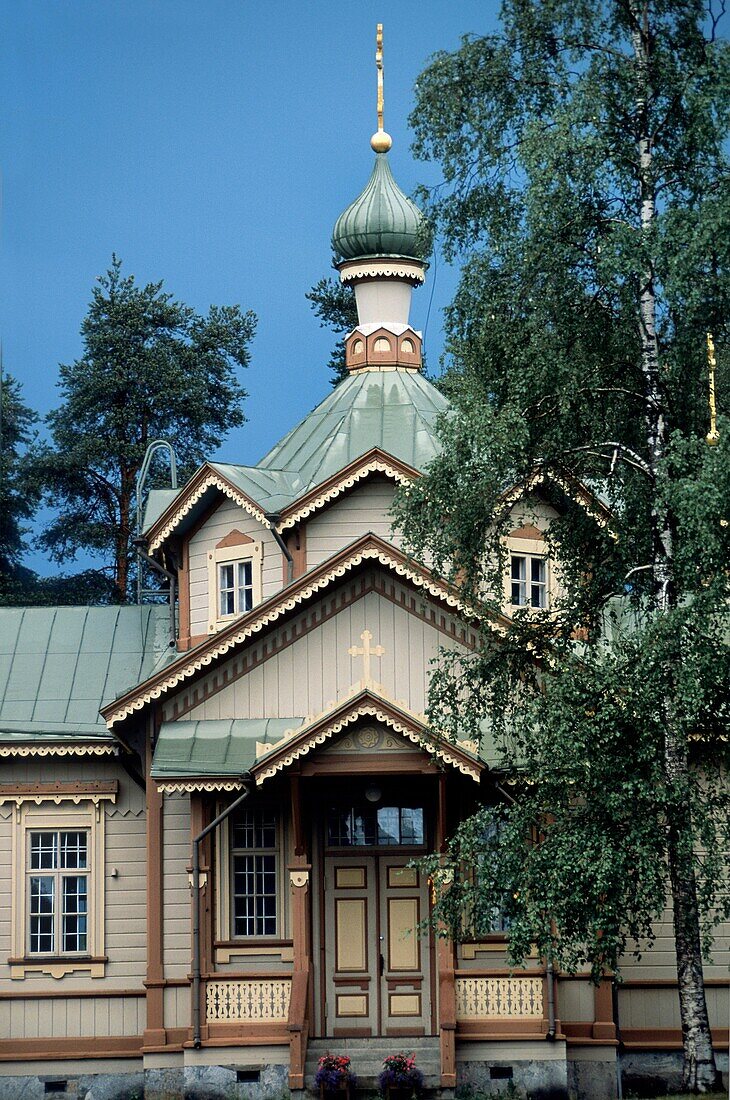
pixel 528 583
pixel 225 897
pixel 232 555
pixel 82 817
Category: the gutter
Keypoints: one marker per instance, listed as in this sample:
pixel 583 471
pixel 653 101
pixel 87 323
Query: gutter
pixel 246 779
pixel 274 518
pixel 550 997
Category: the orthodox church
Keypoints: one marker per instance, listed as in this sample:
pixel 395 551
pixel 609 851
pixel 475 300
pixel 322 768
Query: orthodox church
pixel 207 831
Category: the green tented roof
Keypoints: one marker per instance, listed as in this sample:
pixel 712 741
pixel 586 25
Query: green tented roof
pixel 393 410
pixel 215 747
pixel 59 665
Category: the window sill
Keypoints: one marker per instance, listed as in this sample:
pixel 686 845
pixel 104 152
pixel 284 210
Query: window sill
pixel 225 950
pixel 57 967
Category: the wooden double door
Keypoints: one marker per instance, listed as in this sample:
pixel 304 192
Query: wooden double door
pixel 378 968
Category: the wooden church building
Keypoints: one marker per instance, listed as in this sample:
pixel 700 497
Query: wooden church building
pixel 206 838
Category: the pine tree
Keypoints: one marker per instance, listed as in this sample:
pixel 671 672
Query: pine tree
pixel 17 502
pixel 152 368
pixel 585 191
pixel 334 304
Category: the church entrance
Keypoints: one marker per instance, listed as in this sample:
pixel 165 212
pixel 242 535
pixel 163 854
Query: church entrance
pixel 378 968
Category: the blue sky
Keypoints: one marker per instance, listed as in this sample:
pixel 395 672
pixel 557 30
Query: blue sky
pixel 211 145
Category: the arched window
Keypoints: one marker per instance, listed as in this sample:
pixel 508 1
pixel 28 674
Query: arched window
pixel 407 346
pixel 381 344
pixel 357 347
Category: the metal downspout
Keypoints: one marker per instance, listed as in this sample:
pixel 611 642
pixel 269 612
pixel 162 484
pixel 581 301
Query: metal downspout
pixel 272 518
pixel 140 546
pixel 246 780
pixel 551 997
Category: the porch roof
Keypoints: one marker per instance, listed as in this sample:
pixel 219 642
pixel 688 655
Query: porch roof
pixel 215 748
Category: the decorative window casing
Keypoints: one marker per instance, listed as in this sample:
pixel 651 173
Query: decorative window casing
pixel 234 582
pixel 529 581
pixel 250 886
pixel 57 923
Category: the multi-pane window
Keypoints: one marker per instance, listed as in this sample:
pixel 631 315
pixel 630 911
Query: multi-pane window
pixel 58 893
pixel 529 580
pixel 235 587
pixel 254 856
pixel 386 826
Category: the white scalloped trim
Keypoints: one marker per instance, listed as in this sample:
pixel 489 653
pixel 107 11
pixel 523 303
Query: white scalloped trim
pixel 376 466
pixel 584 500
pixel 288 604
pixel 199 785
pixel 211 481
pixel 379 269
pixel 59 797
pixel 360 711
pixel 59 750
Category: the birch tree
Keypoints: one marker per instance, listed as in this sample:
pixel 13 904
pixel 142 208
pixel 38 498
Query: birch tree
pixel 585 193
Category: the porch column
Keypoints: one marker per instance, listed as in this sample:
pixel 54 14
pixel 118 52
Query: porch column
pixel 445 968
pixel 300 893
pixel 154 1033
pixel 604 1026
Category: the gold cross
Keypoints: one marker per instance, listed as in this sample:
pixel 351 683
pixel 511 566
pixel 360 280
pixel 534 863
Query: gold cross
pixel 366 652
pixel 379 66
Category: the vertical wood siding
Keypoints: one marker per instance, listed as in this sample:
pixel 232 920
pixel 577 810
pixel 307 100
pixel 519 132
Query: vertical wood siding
pixel 176 888
pixel 226 518
pixel 364 509
pixel 312 672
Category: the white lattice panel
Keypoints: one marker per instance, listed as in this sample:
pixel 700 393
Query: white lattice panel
pixel 255 1001
pixel 478 998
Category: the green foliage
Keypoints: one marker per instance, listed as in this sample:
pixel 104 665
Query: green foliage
pixel 17 502
pixel 334 305
pixel 585 194
pixel 152 367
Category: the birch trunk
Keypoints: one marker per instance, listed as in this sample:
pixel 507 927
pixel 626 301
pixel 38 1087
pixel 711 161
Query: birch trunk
pixel 700 1072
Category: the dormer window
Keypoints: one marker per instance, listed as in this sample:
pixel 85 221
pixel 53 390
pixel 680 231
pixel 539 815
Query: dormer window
pixel 235 588
pixel 529 580
pixel 234 578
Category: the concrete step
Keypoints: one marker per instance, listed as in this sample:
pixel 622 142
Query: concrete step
pixel 367 1057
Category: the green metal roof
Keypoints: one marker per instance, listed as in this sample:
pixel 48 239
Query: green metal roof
pixel 59 665
pixel 382 221
pixel 215 747
pixel 393 410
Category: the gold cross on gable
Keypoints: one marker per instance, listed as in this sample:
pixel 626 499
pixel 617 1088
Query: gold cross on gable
pixel 366 651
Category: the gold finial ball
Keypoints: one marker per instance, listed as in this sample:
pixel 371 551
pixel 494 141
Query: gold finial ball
pixel 381 142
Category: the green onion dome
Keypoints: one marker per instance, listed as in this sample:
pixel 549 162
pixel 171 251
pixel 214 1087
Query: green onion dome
pixel 382 221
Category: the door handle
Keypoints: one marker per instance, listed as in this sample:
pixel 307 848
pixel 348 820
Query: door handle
pixel 382 965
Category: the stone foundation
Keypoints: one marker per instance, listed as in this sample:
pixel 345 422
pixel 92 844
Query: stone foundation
pixel 645 1074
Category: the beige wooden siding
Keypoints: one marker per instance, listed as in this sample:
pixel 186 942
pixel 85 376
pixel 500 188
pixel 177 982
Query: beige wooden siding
pixel 125 894
pixel 176 888
pixel 576 1000
pixel 59 1017
pixel 364 509
pixel 226 518
pixel 177 1006
pixel 308 675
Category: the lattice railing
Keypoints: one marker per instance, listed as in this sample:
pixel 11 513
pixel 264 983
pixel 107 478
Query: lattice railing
pixel 254 1001
pixel 479 998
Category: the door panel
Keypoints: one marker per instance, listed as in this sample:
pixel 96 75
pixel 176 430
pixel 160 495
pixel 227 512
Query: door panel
pixel 351 958
pixel 378 974
pixel 405 991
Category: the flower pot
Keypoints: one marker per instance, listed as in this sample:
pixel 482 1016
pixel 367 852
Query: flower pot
pixel 342 1092
pixel 400 1092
